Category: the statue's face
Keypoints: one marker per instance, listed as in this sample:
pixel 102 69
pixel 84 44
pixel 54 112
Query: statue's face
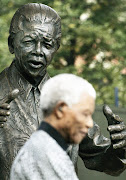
pixel 34 47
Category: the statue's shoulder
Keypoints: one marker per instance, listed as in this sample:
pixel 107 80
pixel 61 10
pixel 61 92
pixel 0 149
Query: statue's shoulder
pixel 3 77
pixel 2 74
pixel 4 86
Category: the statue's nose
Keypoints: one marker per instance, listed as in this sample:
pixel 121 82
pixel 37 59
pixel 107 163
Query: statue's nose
pixel 39 48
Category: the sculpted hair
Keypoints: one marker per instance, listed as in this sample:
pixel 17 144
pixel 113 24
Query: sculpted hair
pixel 35 13
pixel 64 87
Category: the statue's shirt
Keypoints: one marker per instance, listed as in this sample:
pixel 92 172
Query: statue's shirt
pixel 24 118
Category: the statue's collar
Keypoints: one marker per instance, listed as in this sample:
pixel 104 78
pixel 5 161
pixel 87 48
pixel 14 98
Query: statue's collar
pixel 17 81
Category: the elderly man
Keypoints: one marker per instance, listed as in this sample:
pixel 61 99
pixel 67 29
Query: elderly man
pixel 34 38
pixel 67 103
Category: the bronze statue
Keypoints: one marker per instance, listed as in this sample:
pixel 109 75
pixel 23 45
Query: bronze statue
pixel 34 38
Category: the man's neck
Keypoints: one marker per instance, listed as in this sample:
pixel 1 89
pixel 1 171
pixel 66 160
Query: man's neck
pixel 56 124
pixel 48 128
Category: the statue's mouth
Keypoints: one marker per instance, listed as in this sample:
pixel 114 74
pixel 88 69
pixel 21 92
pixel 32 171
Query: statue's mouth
pixel 36 64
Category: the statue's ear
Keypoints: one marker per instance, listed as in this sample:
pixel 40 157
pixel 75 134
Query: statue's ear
pixel 10 45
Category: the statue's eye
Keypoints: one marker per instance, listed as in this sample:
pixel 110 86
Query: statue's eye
pixel 28 43
pixel 47 45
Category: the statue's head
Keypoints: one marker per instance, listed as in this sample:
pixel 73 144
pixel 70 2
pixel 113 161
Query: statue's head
pixel 35 33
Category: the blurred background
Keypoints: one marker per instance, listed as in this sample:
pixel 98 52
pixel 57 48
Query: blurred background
pixel 93 43
pixel 93 46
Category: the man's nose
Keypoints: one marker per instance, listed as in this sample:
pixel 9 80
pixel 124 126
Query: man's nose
pixel 38 48
pixel 90 122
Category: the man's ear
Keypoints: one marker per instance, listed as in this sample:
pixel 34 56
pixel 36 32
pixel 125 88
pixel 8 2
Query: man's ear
pixel 60 109
pixel 10 45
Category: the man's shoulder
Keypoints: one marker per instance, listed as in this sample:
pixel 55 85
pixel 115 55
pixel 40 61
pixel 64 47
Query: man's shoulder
pixel 54 152
pixel 42 140
pixel 41 147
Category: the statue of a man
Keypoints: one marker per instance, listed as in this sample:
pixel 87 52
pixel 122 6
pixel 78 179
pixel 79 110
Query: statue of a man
pixel 34 38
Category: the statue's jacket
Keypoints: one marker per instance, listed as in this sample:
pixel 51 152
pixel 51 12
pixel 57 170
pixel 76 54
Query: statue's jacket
pixel 24 119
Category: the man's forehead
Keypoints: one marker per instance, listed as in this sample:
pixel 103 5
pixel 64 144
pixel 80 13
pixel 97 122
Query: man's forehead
pixel 47 29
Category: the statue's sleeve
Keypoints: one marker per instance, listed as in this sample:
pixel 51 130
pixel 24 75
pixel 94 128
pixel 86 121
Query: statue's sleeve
pixel 97 153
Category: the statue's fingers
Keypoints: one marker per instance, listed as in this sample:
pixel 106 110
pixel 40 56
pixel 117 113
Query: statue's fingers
pixel 1 125
pixel 117 118
pixel 4 112
pixel 5 106
pixel 117 127
pixel 118 136
pixel 3 119
pixel 10 97
pixel 120 144
pixel 110 116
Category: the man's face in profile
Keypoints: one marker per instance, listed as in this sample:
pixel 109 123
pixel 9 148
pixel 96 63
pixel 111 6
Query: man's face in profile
pixel 78 119
pixel 34 47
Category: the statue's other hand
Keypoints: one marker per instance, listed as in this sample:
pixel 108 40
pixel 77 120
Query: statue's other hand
pixel 5 106
pixel 116 128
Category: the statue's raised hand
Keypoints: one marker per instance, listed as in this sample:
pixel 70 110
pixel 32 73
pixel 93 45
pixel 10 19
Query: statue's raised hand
pixel 116 128
pixel 5 106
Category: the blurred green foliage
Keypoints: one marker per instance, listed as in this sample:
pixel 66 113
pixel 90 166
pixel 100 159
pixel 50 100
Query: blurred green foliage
pixel 94 30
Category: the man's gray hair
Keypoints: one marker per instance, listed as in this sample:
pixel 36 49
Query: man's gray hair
pixel 64 87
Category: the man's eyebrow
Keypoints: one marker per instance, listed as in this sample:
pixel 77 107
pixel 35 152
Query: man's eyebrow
pixel 27 38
